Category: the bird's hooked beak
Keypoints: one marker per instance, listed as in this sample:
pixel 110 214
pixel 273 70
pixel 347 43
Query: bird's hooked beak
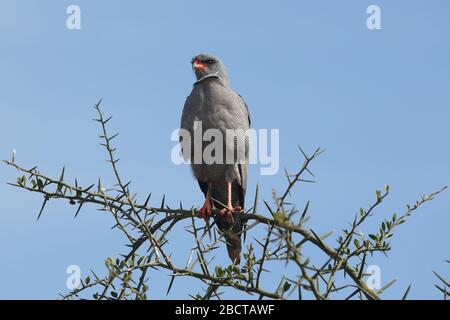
pixel 197 65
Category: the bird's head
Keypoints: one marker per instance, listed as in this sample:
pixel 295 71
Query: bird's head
pixel 206 64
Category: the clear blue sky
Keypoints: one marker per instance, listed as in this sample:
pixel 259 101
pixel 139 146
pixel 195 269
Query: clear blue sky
pixel 378 101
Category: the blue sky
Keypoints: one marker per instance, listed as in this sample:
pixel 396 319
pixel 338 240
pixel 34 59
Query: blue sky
pixel 378 101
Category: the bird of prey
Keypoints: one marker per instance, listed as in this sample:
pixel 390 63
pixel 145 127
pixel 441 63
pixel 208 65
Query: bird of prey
pixel 214 105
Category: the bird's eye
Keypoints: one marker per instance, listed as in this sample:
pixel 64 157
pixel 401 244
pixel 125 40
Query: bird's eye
pixel 210 61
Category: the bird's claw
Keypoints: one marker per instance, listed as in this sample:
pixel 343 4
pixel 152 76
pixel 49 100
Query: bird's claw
pixel 205 212
pixel 227 212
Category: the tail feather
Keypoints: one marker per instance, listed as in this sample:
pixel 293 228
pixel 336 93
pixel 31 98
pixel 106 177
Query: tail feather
pixel 232 231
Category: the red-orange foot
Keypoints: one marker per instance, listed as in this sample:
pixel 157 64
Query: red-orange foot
pixel 205 211
pixel 228 212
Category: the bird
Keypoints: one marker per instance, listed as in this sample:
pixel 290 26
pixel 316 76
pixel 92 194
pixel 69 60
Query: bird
pixel 213 103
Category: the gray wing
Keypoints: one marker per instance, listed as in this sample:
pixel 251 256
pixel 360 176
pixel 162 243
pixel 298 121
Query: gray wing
pixel 243 167
pixel 243 123
pixel 189 115
pixel 246 108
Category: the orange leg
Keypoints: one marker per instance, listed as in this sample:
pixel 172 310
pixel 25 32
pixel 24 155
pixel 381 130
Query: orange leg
pixel 229 209
pixel 229 204
pixel 205 211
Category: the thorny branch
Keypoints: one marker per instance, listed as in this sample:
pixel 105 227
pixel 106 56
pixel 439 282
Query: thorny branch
pixel 147 233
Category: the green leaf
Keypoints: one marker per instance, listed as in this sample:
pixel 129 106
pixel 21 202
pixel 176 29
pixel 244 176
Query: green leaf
pixel 109 261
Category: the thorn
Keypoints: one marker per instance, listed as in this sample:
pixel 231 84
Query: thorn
pixel 305 210
pixel 46 198
pixel 89 188
pixel 147 200
pixel 255 202
pixel 268 207
pixel 99 186
pixel 301 150
pixel 98 103
pixel 79 208
pixel 113 135
pixel 61 179
pixel 170 284
pixel 163 201
pixel 405 295
pixel 127 184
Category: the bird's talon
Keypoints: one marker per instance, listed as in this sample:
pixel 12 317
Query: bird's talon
pixel 227 213
pixel 205 212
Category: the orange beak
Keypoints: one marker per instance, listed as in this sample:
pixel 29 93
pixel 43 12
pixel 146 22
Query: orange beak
pixel 198 65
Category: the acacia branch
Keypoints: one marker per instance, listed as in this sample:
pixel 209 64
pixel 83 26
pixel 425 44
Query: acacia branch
pixel 143 224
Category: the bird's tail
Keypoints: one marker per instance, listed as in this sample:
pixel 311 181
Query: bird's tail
pixel 231 227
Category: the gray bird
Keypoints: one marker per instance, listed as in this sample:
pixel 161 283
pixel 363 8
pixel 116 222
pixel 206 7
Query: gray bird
pixel 213 104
